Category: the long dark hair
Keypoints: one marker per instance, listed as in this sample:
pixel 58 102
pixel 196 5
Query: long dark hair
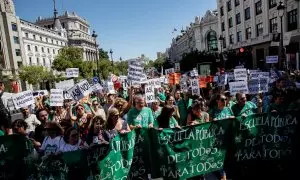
pixel 164 118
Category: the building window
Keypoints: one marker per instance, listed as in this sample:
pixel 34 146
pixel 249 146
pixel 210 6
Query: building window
pixel 48 50
pixel 28 47
pixel 38 61
pixel 239 36
pixel 236 2
pixel 46 39
pixel 42 49
pixel 36 49
pixel 231 38
pixel 41 38
pixel 223 26
pixel 273 25
pixel 238 18
pixel 26 35
pixel 247 13
pixel 292 20
pixel 259 29
pixel 224 42
pixel 14 27
pixel 33 36
pixel 272 3
pixel 16 40
pixel 52 41
pixel 222 11
pixel 53 51
pixel 248 33
pixel 212 41
pixel 230 22
pixel 229 5
pixel 258 9
pixel 56 42
pixel 30 61
pixel 18 52
pixel 44 61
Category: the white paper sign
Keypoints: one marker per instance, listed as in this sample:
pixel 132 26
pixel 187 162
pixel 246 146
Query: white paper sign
pixel 271 59
pixel 80 90
pixel 239 86
pixel 222 80
pixel 110 86
pixel 156 83
pixel 23 99
pixel 253 86
pixel 257 75
pixel 150 95
pixel 67 95
pixel 177 67
pixel 56 97
pixel 135 70
pixel 65 85
pixel 72 72
pixel 240 74
pixel 230 77
pixel 264 85
pixel 195 87
pixel 169 71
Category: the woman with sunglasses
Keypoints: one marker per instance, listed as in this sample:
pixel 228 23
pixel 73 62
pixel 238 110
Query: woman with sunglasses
pixel 59 114
pixel 170 101
pixel 81 121
pixel 96 131
pixel 197 114
pixel 166 119
pixel 53 140
pixel 97 109
pixel 115 124
pixel 221 111
pixel 72 141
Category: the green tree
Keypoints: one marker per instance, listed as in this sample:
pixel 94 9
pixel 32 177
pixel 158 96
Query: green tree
pixel 103 54
pixel 32 74
pixel 104 68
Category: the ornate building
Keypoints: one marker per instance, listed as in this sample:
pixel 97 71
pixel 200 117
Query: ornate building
pixel 201 35
pixel 78 33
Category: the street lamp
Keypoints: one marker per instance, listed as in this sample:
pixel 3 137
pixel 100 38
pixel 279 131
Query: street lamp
pixel 221 39
pixel 94 35
pixel 281 9
pixel 121 59
pixel 112 60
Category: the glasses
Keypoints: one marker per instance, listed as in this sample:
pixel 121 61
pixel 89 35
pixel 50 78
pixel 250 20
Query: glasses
pixel 223 99
pixel 80 109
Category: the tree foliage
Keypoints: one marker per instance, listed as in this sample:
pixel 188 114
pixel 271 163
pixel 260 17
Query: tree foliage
pixel 36 74
pixel 103 54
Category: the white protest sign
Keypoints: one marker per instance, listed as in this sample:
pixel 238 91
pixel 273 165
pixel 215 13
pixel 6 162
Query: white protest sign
pixel 7 101
pixel 222 80
pixel 72 72
pixel 23 99
pixel 110 86
pixel 150 95
pixel 240 74
pixel 194 73
pixel 257 75
pixel 67 95
pixel 156 83
pixel 230 77
pixel 135 70
pixel 177 67
pixel 75 93
pixel 239 67
pixel 271 59
pixel 263 85
pixel 169 71
pixel 56 97
pixel 85 87
pixel 195 87
pixel 65 85
pixel 95 85
pixel 239 86
pixel 40 93
pixel 253 86
pixel 80 90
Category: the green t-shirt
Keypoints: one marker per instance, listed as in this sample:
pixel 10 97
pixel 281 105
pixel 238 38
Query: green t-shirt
pixel 172 123
pixel 183 106
pixel 156 113
pixel 231 103
pixel 162 96
pixel 143 117
pixel 248 109
pixel 217 114
pixel 1 133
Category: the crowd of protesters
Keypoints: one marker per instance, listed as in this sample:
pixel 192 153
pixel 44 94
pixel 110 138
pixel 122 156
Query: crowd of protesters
pixel 99 117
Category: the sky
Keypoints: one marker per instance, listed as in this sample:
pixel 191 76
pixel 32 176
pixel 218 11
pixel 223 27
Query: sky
pixel 128 27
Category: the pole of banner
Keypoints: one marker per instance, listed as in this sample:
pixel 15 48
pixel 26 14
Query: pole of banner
pixel 297 61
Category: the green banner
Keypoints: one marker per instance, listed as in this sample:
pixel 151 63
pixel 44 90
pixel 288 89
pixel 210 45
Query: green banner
pixel 190 151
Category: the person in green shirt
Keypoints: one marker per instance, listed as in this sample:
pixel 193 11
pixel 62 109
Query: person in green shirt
pixel 243 107
pixel 166 119
pixel 183 105
pixel 197 115
pixel 221 111
pixel 156 109
pixel 140 116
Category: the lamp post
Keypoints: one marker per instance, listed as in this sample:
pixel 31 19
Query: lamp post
pixel 281 8
pixel 111 57
pixel 94 35
pixel 221 39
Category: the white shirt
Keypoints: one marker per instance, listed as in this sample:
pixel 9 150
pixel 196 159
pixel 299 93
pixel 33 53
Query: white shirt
pixel 100 112
pixel 51 146
pixel 32 122
pixel 65 147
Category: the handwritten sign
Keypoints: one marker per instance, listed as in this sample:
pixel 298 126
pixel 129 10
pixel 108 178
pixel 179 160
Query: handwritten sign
pixel 253 86
pixel 156 83
pixel 271 59
pixel 56 97
pixel 150 95
pixel 65 85
pixel 169 71
pixel 72 72
pixel 195 87
pixel 239 86
pixel 80 90
pixel 23 99
pixel 240 74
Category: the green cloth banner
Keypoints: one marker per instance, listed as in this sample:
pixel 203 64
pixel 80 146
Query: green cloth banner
pixel 168 153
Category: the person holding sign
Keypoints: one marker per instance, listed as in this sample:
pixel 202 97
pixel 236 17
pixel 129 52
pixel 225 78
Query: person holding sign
pixel 243 107
pixel 140 116
pixel 82 120
pixel 166 119
pixel 170 101
pixel 196 115
pixel 221 111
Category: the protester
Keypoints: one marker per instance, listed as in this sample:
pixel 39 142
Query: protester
pixel 5 120
pixel 243 107
pixel 39 133
pixel 115 123
pixel 123 107
pixel 156 109
pixel 60 114
pixel 72 141
pixel 97 109
pixel 197 115
pixel 166 119
pixel 81 121
pixel 221 111
pixel 109 101
pixel 183 106
pixel 170 101
pixel 96 131
pixel 31 120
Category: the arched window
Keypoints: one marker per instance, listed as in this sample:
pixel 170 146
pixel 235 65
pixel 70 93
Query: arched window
pixel 212 41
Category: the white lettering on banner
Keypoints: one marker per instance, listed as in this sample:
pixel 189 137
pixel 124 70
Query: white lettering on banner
pixel 240 74
pixel 72 72
pixel 195 87
pixel 56 97
pixel 177 67
pixel 65 85
pixel 150 95
pixel 169 71
pixel 23 99
pixel 271 59
pixel 240 86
